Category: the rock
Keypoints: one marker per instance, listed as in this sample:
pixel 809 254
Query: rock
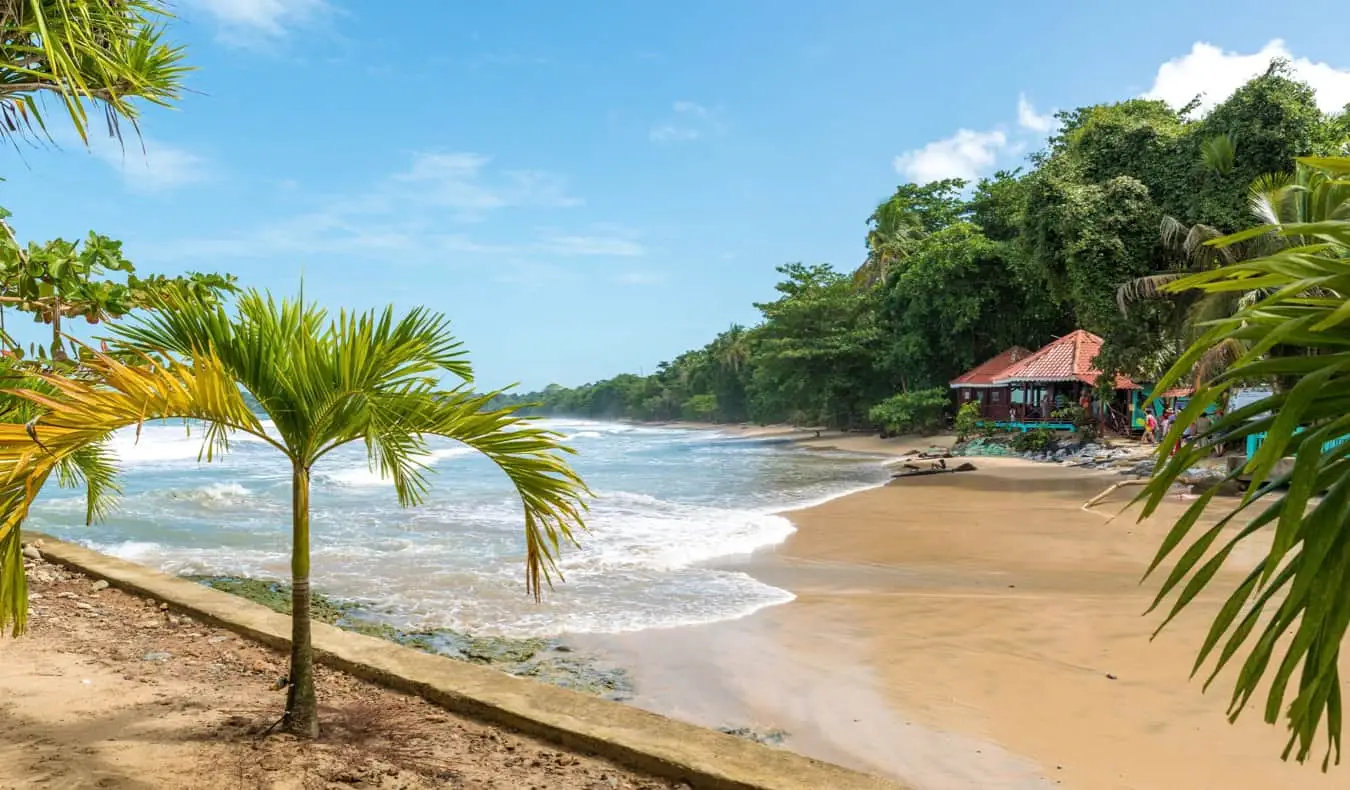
pixel 215 640
pixel 164 607
pixel 157 656
pixel 66 594
pixel 32 596
pixel 148 624
pixel 98 586
pixel 86 607
pixel 173 620
pixel 31 552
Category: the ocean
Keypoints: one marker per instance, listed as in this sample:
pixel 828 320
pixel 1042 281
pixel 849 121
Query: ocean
pixel 671 503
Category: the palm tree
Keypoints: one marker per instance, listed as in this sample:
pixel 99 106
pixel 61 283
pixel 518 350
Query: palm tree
pixel 731 349
pixel 369 377
pixel 100 52
pixel 1304 311
pixel 891 234
pixel 1277 200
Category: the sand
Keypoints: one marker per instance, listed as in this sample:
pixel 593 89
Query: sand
pixel 108 691
pixel 974 631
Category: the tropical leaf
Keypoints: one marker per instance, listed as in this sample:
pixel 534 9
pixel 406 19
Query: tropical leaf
pixel 1296 599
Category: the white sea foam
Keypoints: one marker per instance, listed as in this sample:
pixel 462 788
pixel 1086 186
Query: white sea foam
pixel 671 504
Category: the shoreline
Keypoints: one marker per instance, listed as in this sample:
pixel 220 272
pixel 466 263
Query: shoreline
pixel 961 632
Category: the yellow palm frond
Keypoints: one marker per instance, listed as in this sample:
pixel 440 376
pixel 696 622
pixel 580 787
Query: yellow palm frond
pixel 79 413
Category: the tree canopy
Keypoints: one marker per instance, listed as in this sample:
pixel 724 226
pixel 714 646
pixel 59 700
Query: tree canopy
pixel 953 273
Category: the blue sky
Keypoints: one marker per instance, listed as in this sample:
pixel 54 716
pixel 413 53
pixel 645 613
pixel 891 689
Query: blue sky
pixel 590 188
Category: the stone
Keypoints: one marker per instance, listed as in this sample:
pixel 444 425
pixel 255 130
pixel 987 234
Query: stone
pixel 31 552
pixel 98 586
pixel 148 624
pixel 157 655
pixel 86 607
pixel 67 594
pixel 215 640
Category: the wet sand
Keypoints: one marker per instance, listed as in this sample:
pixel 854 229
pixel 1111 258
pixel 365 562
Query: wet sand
pixel 969 631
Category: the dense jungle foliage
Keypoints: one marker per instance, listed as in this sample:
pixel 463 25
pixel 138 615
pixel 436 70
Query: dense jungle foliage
pixel 1117 204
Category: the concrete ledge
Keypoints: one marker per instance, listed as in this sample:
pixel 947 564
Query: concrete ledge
pixel 629 736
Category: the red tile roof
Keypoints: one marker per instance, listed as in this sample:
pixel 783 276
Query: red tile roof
pixel 983 375
pixel 1068 358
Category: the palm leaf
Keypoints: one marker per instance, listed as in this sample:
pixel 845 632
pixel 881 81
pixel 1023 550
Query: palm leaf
pixel 1296 599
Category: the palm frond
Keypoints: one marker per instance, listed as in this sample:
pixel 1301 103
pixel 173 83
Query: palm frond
pixel 1149 286
pixel 1295 598
pixel 1218 152
pixel 76 415
pixel 101 52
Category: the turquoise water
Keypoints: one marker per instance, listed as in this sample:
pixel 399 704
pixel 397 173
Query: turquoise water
pixel 671 504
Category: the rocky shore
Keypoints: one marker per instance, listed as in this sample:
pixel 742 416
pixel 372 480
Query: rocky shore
pixel 545 660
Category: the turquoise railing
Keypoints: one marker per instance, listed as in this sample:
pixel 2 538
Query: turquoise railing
pixel 1033 425
pixel 1255 440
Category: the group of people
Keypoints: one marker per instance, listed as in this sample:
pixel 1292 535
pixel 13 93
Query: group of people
pixel 1155 429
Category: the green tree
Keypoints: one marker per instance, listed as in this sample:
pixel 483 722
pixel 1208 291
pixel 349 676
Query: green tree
pixel 1295 597
pixel 903 220
pixel 372 378
pixel 62 279
pixel 956 302
pixel 817 348
pixel 104 53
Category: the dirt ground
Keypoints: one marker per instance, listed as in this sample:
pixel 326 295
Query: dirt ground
pixel 107 690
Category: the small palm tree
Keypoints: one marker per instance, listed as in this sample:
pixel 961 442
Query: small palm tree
pixel 369 377
pixel 1299 333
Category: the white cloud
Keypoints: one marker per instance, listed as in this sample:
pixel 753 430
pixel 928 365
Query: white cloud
pixel 408 216
pixel 639 278
pixel 966 154
pixel 692 121
pixel 1028 119
pixel 241 20
pixel 1213 74
pixel 157 167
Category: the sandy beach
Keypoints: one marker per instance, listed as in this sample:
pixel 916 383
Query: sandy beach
pixel 972 631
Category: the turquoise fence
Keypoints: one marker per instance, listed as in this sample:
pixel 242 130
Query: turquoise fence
pixel 1254 442
pixel 1031 426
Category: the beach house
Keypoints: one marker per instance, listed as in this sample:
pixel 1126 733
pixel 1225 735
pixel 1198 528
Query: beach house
pixel 977 384
pixel 1058 374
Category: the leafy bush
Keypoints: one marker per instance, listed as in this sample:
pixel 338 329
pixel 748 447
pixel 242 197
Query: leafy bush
pixel 1084 424
pixel 1035 441
pixel 967 420
pixel 700 408
pixel 919 411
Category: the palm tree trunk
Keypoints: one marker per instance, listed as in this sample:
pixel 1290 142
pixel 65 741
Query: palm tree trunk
pixel 302 714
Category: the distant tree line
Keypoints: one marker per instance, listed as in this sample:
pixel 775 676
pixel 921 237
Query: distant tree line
pixel 1120 202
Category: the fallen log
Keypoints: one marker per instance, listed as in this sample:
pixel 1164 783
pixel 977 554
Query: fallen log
pixel 935 470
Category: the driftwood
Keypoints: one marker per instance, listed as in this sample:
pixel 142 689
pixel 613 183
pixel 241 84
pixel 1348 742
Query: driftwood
pixel 939 468
pixel 1097 500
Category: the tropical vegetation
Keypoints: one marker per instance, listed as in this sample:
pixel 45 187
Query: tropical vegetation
pixel 372 378
pixel 951 273
pixel 1297 335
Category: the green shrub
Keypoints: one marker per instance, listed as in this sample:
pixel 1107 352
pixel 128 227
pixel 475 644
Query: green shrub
pixel 1035 441
pixel 967 420
pixel 700 408
pixel 919 411
pixel 1084 424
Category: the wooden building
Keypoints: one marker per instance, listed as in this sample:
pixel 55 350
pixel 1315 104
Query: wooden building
pixel 977 384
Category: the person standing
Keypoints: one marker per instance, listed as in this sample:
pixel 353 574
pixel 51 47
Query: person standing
pixel 1150 427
